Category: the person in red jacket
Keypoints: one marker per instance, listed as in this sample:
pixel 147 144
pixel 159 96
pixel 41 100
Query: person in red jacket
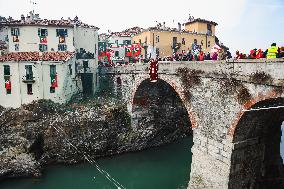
pixel 153 70
pixel 259 54
pixel 201 56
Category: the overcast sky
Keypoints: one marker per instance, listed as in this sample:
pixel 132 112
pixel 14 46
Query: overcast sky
pixel 242 24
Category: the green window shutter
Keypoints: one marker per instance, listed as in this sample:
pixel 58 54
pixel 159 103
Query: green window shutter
pixel 7 70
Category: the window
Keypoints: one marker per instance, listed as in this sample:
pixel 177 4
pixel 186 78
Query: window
pixel 42 47
pixel 157 51
pixel 70 69
pixel 61 32
pixel 183 41
pixel 7 70
pixel 62 47
pixel 7 79
pixel 116 53
pixel 15 31
pixel 95 48
pixel 30 89
pixel 209 29
pixel 209 44
pixel 85 64
pixel 174 40
pixel 53 78
pixel 17 47
pixel 195 41
pixel 127 42
pixel 139 41
pixel 62 39
pixel 116 41
pixel 42 32
pixel 157 39
pixel 29 72
pixel 16 39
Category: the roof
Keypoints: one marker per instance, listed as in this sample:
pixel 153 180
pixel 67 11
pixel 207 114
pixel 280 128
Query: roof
pixel 45 22
pixel 168 29
pixel 201 20
pixel 37 56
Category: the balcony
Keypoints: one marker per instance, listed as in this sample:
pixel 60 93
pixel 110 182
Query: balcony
pixel 28 78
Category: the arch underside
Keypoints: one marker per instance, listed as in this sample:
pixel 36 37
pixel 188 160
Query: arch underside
pixel 157 108
pixel 256 160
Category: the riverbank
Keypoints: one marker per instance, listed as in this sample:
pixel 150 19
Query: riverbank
pixel 41 134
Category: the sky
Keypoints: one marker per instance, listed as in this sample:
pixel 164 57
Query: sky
pixel 242 24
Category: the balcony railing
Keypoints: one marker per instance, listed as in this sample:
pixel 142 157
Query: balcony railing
pixel 28 78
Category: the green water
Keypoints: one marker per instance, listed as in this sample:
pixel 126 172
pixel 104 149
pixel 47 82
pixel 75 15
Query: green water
pixel 166 167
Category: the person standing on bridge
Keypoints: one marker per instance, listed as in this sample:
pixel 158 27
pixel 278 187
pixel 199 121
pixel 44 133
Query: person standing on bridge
pixel 272 51
pixel 153 70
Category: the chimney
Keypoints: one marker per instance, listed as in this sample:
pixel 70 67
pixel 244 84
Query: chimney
pixel 179 26
pixel 164 25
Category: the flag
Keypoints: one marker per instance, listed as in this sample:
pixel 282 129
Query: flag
pixel 54 81
pixel 43 40
pixel 136 49
pixel 8 84
pixel 128 50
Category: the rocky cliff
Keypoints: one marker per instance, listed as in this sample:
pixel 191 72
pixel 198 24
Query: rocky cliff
pixel 41 133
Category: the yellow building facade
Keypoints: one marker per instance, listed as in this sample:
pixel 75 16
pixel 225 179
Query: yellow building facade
pixel 162 41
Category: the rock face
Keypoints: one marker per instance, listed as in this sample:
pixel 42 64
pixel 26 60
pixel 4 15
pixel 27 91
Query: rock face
pixel 42 133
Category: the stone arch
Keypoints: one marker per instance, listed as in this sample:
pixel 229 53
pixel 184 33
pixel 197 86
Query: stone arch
pixel 256 161
pixel 178 89
pixel 159 113
pixel 260 97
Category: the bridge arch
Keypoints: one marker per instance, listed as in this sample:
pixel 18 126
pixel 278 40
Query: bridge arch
pixel 256 161
pixel 158 106
pixel 177 88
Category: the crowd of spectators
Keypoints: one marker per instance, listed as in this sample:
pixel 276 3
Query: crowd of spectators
pixel 272 52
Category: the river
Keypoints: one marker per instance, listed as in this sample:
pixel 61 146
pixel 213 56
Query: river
pixel 166 167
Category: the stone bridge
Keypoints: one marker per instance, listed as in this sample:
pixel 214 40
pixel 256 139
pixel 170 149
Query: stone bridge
pixel 233 107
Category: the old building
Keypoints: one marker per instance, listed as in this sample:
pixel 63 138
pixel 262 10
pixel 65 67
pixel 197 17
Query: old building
pixel 63 50
pixel 118 44
pixel 164 41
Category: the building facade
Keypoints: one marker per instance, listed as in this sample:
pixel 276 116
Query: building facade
pixel 164 41
pixel 29 76
pixel 65 49
pixel 118 44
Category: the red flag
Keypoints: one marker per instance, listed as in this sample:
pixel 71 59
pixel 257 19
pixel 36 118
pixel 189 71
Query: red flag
pixel 55 82
pixel 136 50
pixel 8 85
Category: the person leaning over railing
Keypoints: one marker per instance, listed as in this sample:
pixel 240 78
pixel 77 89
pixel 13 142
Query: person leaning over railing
pixel 272 51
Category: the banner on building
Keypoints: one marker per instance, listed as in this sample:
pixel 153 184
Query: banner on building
pixel 128 51
pixel 136 49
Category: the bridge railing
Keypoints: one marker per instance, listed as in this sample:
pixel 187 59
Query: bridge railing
pixel 238 69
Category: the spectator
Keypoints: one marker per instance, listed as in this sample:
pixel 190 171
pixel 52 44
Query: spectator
pixel 259 54
pixel 272 51
pixel 201 56
pixel 214 56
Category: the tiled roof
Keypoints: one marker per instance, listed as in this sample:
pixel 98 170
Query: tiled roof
pixel 201 20
pixel 45 22
pixel 37 56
